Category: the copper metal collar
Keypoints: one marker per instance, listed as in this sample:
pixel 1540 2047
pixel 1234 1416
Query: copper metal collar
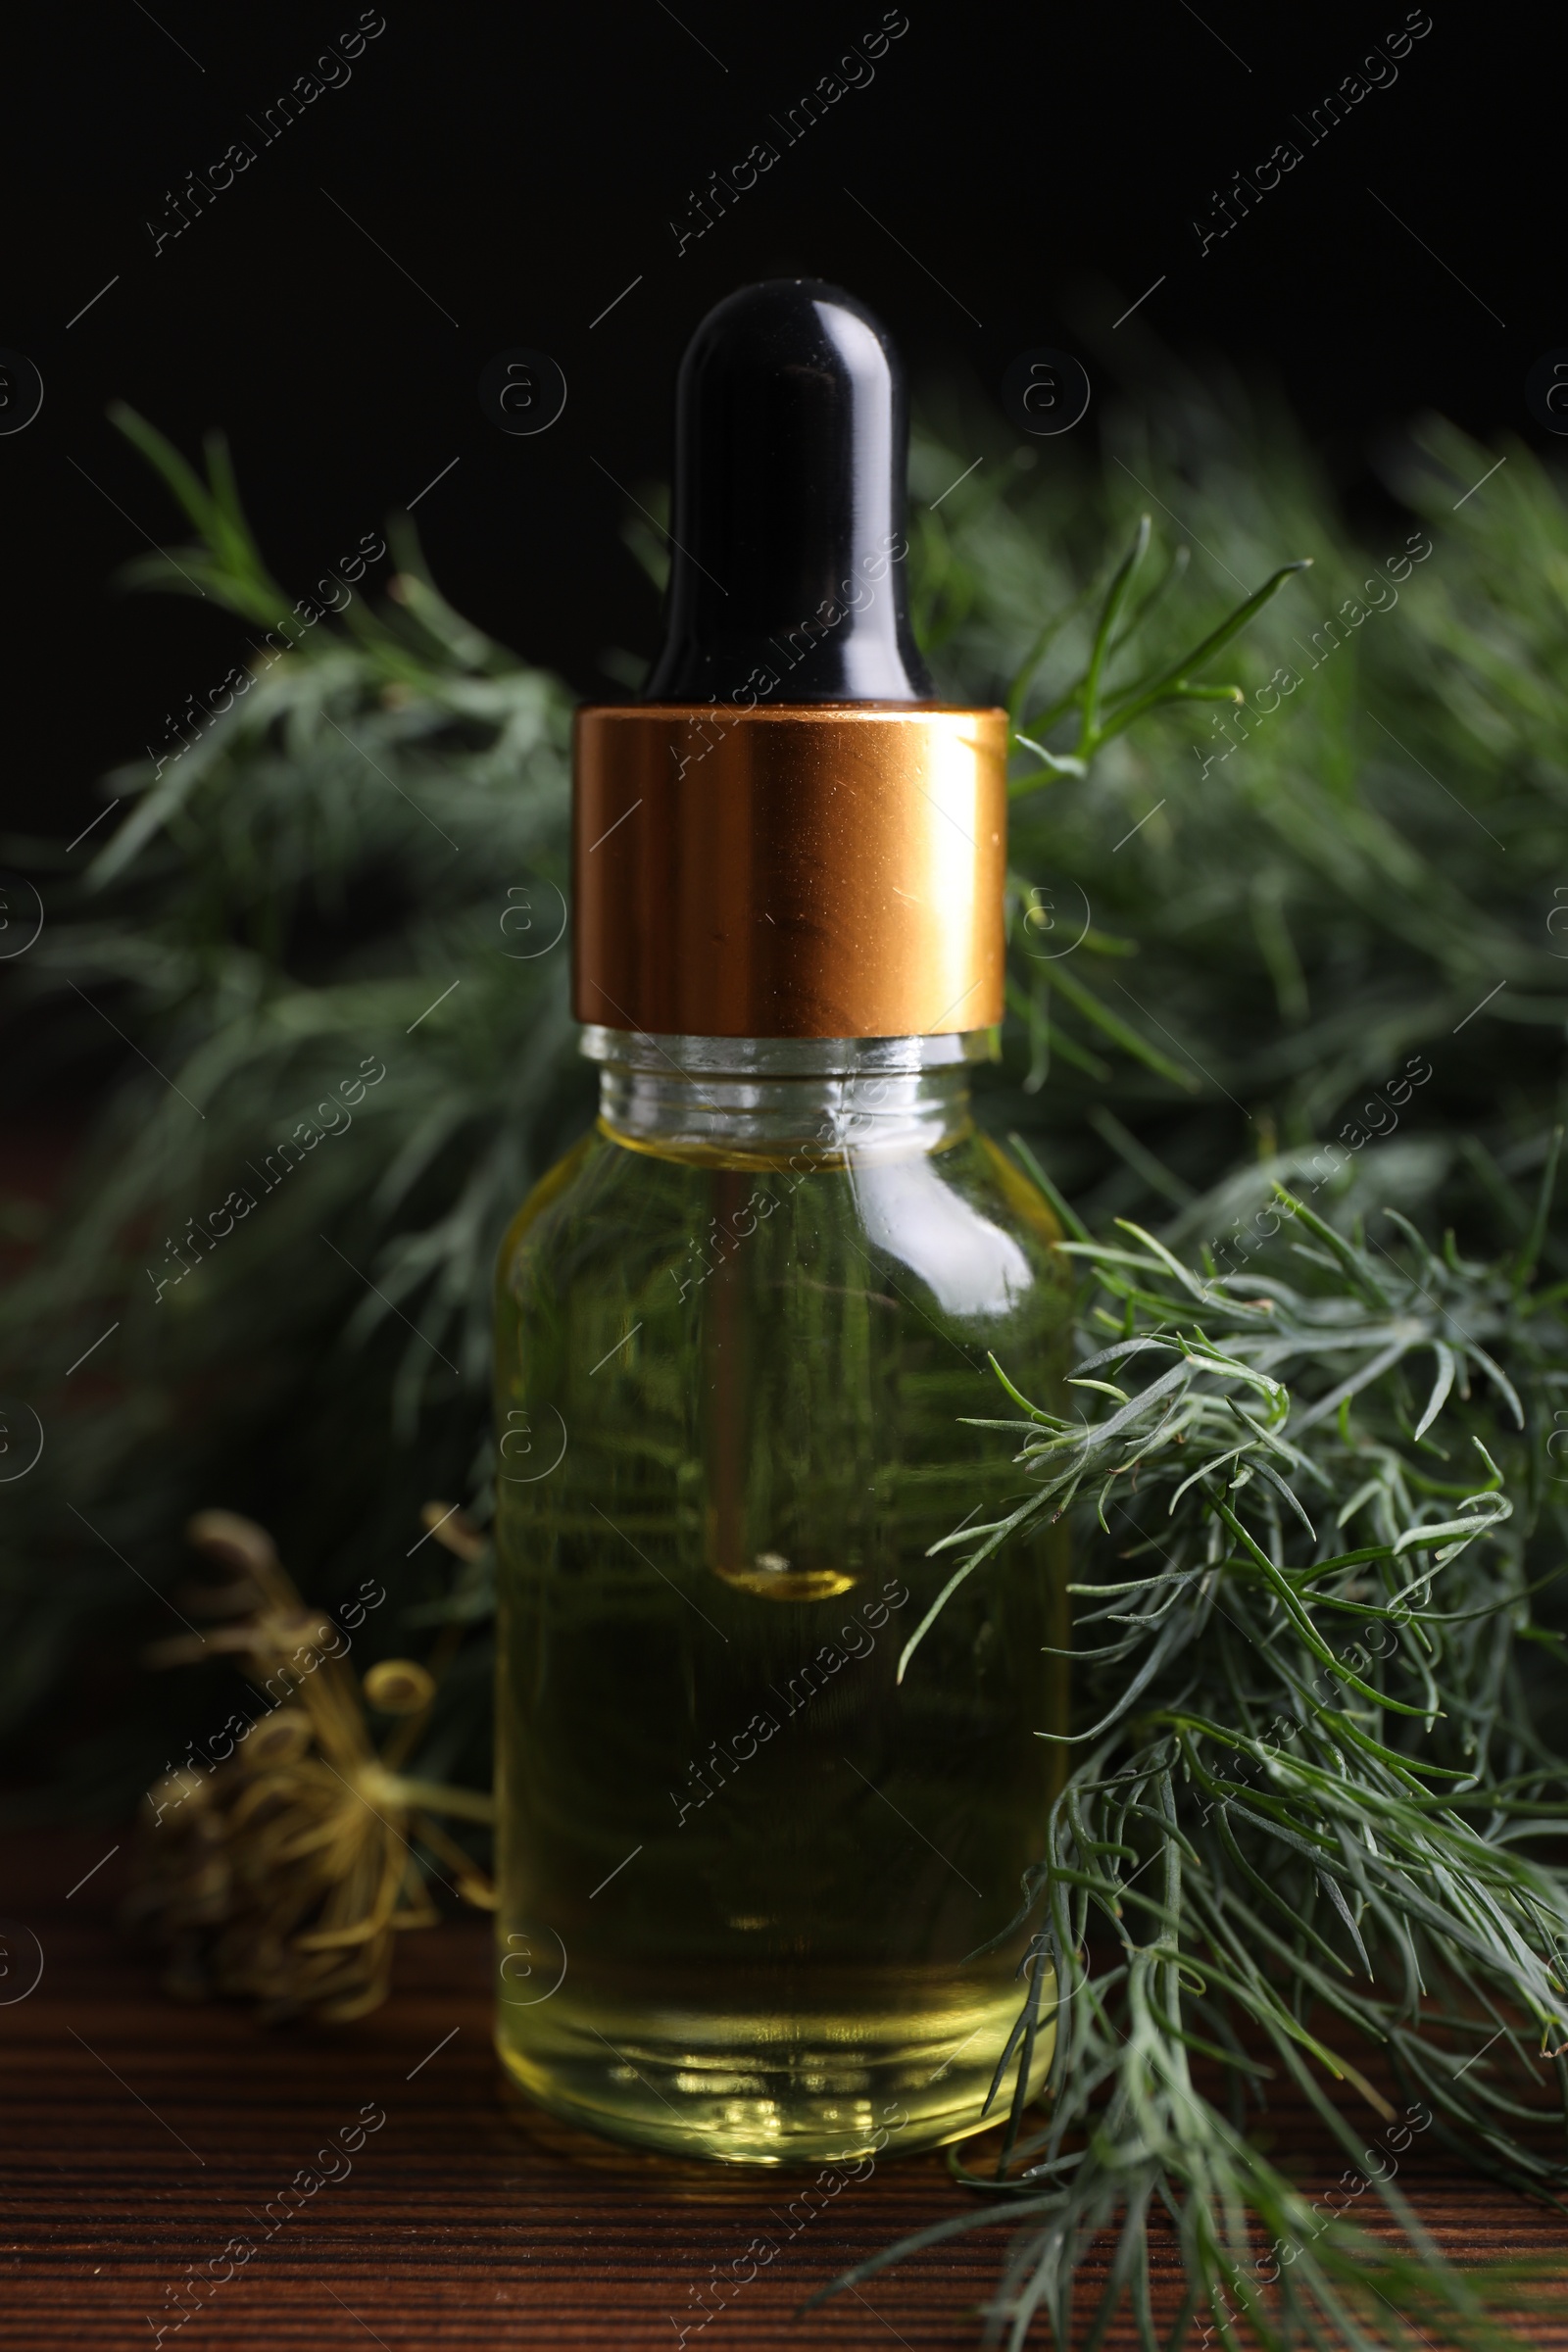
pixel 806 870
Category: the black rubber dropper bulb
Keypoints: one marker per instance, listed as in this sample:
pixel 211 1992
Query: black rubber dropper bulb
pixel 787 564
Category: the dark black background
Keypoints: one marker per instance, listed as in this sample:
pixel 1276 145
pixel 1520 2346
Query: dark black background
pixel 523 164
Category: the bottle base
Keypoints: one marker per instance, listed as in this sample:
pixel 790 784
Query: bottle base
pixel 827 2096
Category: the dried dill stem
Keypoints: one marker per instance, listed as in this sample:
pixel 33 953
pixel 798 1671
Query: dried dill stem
pixel 282 1872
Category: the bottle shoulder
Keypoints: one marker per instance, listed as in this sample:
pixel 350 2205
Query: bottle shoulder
pixel 555 1194
pixel 972 1231
pixel 961 1229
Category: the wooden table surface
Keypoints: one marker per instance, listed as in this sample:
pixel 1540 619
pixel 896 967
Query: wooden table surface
pixel 139 2136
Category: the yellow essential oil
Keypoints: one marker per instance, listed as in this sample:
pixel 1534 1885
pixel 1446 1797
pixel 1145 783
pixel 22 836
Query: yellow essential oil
pixel 757 1894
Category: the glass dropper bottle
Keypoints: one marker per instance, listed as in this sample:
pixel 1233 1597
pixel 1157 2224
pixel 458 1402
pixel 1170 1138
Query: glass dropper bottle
pixel 759 1895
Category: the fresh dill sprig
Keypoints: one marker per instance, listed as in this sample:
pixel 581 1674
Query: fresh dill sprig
pixel 1314 1831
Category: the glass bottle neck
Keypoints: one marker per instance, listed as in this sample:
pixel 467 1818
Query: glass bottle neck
pixel 823 1102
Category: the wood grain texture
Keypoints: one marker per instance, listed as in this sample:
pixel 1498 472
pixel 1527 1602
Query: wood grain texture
pixel 140 2136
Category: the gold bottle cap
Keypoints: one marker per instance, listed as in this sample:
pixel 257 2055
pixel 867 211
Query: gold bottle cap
pixel 809 869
